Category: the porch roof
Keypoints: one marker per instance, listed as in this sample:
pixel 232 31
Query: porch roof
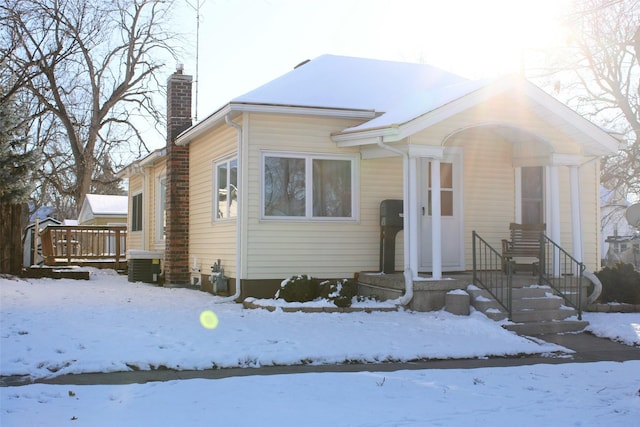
pixel 427 108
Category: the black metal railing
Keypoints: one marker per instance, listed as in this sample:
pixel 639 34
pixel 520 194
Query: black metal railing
pixel 492 273
pixel 556 268
pixel 562 272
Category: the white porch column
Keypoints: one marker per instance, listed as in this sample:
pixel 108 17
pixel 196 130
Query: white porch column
pixel 576 224
pixel 554 196
pixel 413 236
pixel 436 220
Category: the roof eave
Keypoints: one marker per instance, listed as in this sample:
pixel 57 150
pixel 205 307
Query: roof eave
pixel 144 162
pixel 235 107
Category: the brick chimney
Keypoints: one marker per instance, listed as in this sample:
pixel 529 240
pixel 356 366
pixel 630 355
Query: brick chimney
pixel 176 259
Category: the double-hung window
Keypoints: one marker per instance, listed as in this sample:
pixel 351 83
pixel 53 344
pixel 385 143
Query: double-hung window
pixel 225 197
pixel 136 212
pixel 308 186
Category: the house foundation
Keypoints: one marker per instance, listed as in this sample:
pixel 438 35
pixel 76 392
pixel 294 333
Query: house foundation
pixel 428 294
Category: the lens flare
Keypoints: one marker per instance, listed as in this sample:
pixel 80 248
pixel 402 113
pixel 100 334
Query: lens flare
pixel 209 319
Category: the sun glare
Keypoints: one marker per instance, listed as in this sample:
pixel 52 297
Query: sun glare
pixel 471 37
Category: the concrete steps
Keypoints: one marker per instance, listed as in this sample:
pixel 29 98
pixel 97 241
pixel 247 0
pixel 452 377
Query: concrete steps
pixel 536 310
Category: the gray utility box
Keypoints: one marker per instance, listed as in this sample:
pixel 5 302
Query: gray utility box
pixel 391 222
pixel 144 266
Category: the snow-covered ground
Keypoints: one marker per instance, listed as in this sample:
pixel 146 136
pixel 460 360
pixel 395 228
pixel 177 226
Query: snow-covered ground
pixel 55 327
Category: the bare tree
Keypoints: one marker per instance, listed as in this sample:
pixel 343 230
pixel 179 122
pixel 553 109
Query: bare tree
pixel 91 67
pixel 600 77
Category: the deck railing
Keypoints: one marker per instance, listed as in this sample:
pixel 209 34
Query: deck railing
pixel 66 245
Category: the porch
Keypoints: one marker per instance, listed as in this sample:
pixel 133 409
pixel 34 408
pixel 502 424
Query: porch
pixel 546 295
pixel 92 245
pixel 535 308
pixel 428 294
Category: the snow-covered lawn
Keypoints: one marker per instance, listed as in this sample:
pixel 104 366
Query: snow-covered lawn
pixel 55 327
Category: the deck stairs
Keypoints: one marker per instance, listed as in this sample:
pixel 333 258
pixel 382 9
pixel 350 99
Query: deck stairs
pixel 536 309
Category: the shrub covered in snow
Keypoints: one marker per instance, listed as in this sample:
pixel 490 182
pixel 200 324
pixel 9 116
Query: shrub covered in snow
pixel 341 292
pixel 300 288
pixel 620 283
pixel 304 288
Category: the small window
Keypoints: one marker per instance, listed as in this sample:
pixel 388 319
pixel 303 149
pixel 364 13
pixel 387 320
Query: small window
pixel 225 198
pixel 136 212
pixel 306 186
pixel 446 189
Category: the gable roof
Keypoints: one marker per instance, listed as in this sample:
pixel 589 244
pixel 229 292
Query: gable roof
pixel 103 205
pixel 428 107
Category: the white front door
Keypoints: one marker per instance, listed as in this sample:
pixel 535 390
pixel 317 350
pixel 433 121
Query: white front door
pixel 450 210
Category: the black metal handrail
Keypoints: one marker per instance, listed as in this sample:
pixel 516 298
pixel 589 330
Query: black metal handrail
pixel 489 268
pixel 562 272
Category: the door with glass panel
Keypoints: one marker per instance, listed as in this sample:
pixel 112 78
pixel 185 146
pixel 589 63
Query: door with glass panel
pixel 451 214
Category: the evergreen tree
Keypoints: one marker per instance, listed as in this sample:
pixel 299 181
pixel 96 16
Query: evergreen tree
pixel 16 166
pixel 16 160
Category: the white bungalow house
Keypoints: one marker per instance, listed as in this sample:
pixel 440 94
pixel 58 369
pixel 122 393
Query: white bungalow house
pixel 289 178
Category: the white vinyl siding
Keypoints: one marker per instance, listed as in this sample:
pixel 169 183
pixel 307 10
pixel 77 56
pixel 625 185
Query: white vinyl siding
pixel 210 240
pixel 324 249
pixel 160 209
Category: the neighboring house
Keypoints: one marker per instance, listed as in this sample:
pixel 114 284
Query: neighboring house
pixel 101 209
pixel 289 178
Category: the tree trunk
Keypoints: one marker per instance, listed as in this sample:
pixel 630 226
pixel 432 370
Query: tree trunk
pixel 10 238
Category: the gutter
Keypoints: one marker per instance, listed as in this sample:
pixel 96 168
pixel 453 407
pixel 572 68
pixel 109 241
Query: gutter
pixel 227 119
pixel 408 274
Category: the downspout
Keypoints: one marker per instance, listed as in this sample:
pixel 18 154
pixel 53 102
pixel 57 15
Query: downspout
pixel 238 128
pixel 408 275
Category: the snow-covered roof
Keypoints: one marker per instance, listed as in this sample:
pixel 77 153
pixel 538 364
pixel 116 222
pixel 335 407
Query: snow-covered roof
pixel 102 204
pixel 395 95
pixel 342 82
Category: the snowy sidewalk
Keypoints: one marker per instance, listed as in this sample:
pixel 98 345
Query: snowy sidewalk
pixel 587 348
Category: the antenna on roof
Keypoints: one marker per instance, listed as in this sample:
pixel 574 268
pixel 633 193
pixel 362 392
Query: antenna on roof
pixel 197 9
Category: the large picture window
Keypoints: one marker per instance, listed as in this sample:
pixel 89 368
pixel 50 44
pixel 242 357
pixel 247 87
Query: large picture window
pixel 308 186
pixel 136 212
pixel 226 189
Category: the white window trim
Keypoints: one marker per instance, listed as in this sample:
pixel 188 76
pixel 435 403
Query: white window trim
pixel 159 232
pixel 309 157
pixel 214 189
pixel 134 195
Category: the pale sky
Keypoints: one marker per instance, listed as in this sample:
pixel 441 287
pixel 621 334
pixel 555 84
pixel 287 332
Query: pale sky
pixel 246 43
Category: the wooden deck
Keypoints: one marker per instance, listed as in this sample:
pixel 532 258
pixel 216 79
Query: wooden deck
pixel 89 246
